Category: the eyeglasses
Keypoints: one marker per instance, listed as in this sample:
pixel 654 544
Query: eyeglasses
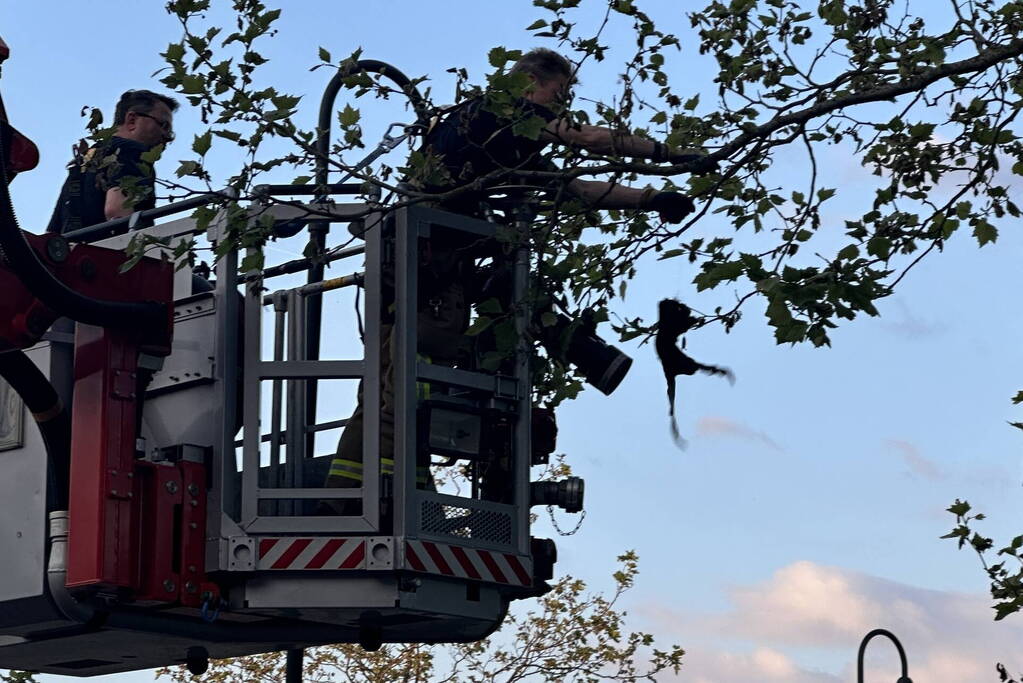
pixel 165 126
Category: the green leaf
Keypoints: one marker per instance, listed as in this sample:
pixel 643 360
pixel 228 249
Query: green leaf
pixel 188 168
pixel 848 253
pixel 192 85
pixel 530 127
pixel 301 180
pixel 479 325
pixel 548 319
pixel 1004 609
pixel 921 130
pixel 825 193
pixel 491 305
pixel 325 56
pixel 879 246
pixel 348 116
pixel 730 270
pixel 959 508
pixel 151 156
pixel 228 135
pixel 175 52
pixel 538 24
pixel 202 143
pixel 251 262
pixel 984 232
pixel 498 56
pixel 1018 398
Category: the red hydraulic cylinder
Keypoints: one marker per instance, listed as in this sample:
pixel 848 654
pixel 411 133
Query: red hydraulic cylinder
pixel 103 539
pixel 103 543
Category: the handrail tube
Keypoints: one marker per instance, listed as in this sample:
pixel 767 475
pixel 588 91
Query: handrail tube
pixel 355 279
pixel 309 189
pixel 318 229
pixel 289 267
pixel 118 225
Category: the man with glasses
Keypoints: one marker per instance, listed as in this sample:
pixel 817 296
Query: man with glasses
pixel 111 180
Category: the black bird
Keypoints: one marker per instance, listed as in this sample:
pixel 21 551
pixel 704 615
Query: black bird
pixel 674 320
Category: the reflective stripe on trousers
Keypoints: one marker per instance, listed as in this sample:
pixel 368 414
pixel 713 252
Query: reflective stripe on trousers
pixel 352 469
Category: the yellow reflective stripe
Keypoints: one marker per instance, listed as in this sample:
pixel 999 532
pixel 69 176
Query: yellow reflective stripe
pixel 348 469
pixel 422 475
pixel 387 467
pixel 351 469
pixel 344 474
pixel 423 388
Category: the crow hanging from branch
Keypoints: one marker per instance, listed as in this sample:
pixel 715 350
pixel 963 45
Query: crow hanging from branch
pixel 674 320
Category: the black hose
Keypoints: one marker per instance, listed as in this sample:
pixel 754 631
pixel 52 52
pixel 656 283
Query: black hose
pixel 51 417
pixel 23 261
pixel 318 229
pixel 330 96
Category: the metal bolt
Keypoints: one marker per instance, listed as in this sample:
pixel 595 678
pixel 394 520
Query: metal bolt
pixel 193 525
pixel 190 587
pixel 169 586
pixel 57 249
pixel 193 489
pixel 113 492
pixel 193 503
pixel 87 268
pixel 191 567
pixel 171 486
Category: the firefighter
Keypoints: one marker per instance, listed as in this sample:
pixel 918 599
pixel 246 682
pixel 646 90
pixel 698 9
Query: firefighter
pixel 111 180
pixel 473 145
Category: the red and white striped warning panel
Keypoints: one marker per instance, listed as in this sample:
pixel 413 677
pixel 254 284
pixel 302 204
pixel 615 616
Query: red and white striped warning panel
pixel 468 563
pixel 291 552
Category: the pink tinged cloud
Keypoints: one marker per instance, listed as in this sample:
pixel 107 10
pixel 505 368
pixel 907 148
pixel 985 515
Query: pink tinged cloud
pixel 713 426
pixel 764 665
pixel 918 465
pixel 805 607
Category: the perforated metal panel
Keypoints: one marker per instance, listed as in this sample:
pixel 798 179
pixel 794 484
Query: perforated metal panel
pixel 466 522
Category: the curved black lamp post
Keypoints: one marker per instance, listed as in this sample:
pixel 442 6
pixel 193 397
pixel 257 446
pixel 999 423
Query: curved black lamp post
pixel 904 678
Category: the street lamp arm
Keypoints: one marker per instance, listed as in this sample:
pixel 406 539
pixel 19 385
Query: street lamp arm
pixel 898 646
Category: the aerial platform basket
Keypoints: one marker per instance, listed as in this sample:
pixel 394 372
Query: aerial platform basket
pixel 195 526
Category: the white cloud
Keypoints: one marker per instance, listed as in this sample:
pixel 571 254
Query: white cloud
pixel 806 610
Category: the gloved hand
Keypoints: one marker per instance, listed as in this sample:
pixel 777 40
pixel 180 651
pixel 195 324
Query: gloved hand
pixel 701 163
pixel 672 206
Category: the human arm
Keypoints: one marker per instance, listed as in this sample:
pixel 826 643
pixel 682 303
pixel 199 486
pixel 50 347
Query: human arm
pixel 601 140
pixel 671 206
pixel 116 204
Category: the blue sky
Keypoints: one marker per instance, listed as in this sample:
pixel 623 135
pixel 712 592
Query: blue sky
pixel 808 506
